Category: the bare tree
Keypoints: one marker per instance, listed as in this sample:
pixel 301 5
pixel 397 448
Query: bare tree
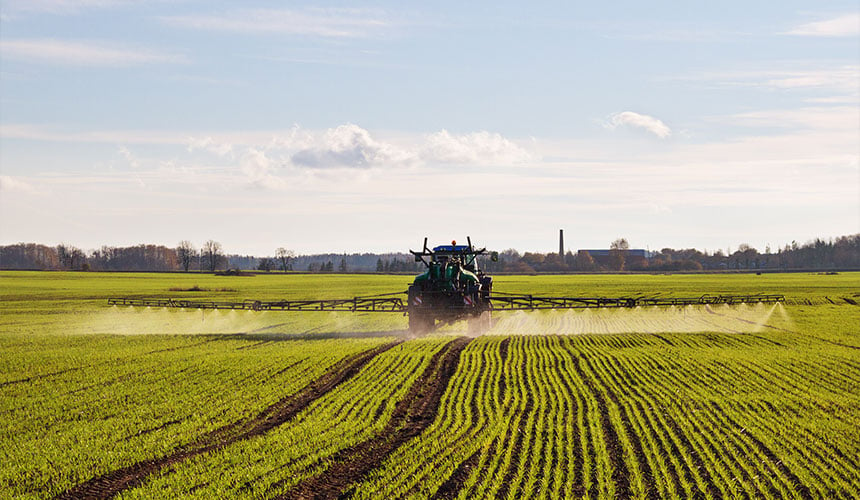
pixel 284 256
pixel 584 261
pixel 185 252
pixel 70 257
pixel 212 254
pixel 620 244
pixel 618 253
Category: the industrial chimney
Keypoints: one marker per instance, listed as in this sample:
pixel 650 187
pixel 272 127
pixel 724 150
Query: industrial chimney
pixel 561 243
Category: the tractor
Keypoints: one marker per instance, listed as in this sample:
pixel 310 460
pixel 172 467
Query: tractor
pixel 452 288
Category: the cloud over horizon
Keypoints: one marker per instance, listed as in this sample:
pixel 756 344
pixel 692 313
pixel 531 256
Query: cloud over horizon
pixel 353 147
pixel 477 148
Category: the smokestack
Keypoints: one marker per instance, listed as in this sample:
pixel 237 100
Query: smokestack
pixel 561 243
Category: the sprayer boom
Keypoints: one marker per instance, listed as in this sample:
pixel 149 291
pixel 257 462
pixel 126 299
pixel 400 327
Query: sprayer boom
pixel 355 304
pixel 530 302
pixel 494 302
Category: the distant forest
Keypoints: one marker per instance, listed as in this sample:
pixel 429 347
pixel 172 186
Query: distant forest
pixel 837 253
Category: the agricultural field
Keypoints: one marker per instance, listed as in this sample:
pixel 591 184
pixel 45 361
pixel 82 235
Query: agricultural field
pixel 740 401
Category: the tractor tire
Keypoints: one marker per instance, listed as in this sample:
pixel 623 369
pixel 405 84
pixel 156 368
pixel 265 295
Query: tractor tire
pixel 421 319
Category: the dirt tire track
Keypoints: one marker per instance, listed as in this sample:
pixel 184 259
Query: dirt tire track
pixel 414 413
pixel 111 483
pixel 503 353
pixel 452 486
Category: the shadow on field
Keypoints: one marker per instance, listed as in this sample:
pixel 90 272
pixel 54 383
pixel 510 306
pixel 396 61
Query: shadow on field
pixel 310 335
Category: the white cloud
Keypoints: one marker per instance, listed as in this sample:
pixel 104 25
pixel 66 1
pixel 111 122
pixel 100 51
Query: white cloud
pixel 129 157
pixel 636 120
pixel 295 138
pixel 210 145
pixel 332 23
pixel 347 145
pixel 844 25
pixel 258 169
pixel 353 147
pixel 477 148
pixel 13 184
pixel 81 53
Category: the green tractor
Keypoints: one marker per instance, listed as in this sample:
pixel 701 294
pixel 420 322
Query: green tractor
pixel 452 288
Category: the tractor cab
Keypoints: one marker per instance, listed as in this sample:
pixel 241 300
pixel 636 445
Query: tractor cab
pixel 460 255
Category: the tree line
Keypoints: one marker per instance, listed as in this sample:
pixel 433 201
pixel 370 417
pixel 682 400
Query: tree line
pixel 837 253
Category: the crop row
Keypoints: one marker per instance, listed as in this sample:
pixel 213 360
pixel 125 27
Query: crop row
pixel 637 415
pixel 99 409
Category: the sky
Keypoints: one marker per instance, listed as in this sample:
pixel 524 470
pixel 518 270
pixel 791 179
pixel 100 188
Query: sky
pixel 364 127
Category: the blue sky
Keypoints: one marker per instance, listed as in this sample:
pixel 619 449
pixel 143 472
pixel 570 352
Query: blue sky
pixel 352 127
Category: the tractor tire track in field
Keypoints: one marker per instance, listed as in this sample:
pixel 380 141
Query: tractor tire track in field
pixel 414 413
pixel 503 353
pixel 452 486
pixel 111 483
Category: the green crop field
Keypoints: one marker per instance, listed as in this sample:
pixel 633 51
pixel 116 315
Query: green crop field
pixel 740 401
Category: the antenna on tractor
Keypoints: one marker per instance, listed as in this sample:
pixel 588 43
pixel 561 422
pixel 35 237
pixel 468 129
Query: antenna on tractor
pixel 469 241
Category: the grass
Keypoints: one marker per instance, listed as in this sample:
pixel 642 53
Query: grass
pixel 756 402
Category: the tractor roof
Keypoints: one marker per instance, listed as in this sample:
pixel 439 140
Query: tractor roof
pixel 451 248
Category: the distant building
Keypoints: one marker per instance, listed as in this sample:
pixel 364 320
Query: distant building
pixel 633 252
